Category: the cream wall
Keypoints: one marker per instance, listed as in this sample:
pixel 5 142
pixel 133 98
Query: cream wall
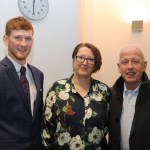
pixel 68 22
pixel 107 24
pixel 54 40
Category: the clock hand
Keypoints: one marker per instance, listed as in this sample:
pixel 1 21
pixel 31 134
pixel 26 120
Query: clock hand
pixel 33 6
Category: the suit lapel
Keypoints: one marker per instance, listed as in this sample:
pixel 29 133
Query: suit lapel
pixel 11 72
pixel 37 82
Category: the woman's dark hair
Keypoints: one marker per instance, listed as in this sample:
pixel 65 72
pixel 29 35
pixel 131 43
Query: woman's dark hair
pixel 95 51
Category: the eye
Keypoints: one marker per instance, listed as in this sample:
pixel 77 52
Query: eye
pixel 28 39
pixel 135 61
pixel 80 57
pixel 124 62
pixel 91 59
pixel 18 38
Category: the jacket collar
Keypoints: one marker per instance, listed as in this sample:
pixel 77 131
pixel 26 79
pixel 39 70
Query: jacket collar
pixel 120 81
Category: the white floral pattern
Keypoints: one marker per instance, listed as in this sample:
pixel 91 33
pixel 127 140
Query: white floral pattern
pixel 48 113
pixel 95 136
pixel 74 121
pixel 88 114
pixel 64 138
pixel 58 127
pixel 51 99
pixel 76 143
pixel 97 96
pixel 63 95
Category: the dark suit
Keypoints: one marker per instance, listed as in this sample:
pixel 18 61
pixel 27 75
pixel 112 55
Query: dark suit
pixel 140 131
pixel 19 130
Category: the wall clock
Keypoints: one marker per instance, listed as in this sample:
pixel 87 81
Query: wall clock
pixel 34 9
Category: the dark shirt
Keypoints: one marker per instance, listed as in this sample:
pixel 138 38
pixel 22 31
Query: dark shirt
pixel 75 122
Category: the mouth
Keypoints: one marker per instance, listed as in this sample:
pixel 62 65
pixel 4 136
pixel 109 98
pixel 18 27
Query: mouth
pixel 131 73
pixel 22 50
pixel 84 68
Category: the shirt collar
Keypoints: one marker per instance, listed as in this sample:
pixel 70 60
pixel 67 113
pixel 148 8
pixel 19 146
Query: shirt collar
pixel 136 90
pixel 16 64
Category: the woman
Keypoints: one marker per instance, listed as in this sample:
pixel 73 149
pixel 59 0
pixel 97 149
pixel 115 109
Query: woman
pixel 76 108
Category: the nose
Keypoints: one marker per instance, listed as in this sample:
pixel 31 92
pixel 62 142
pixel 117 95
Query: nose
pixel 85 61
pixel 130 65
pixel 23 42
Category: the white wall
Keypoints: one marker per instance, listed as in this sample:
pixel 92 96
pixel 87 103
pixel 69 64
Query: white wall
pixel 101 22
pixel 105 23
pixel 54 39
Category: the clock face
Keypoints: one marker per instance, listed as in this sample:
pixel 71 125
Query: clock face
pixel 34 9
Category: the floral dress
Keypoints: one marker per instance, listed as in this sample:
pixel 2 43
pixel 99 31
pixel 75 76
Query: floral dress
pixel 73 122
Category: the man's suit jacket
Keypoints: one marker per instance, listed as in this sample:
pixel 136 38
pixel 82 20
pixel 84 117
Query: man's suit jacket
pixel 19 130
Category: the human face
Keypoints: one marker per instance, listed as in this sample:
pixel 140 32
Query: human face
pixel 19 44
pixel 83 69
pixel 131 66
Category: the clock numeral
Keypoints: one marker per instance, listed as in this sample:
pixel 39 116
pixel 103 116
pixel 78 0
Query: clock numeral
pixel 38 13
pixel 29 11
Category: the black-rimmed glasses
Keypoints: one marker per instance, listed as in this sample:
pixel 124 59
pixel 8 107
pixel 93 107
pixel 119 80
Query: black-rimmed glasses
pixel 82 59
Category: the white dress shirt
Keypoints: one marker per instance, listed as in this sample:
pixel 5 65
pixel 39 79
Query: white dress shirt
pixel 33 91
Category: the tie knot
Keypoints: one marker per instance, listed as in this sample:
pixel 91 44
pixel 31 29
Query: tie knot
pixel 23 70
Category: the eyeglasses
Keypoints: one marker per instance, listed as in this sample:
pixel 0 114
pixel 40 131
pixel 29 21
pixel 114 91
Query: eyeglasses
pixel 28 39
pixel 82 59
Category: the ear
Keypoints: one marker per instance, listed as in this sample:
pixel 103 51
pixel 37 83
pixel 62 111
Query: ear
pixel 118 67
pixel 5 39
pixel 145 65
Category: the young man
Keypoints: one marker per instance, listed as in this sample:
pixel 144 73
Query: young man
pixel 130 106
pixel 20 109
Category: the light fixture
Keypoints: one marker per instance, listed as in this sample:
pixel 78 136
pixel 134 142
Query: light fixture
pixel 137 25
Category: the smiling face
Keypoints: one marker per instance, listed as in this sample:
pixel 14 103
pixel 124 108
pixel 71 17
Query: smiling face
pixel 19 44
pixel 131 66
pixel 83 69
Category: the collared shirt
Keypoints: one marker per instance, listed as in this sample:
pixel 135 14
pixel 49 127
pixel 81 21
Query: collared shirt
pixel 33 91
pixel 128 110
pixel 75 122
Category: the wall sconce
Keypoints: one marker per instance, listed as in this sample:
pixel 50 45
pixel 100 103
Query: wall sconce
pixel 137 25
